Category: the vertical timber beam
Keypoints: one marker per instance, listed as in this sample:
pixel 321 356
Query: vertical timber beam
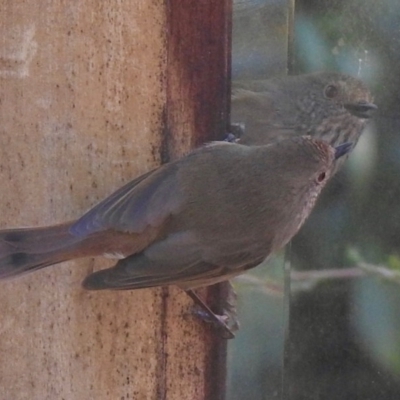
pixel 198 78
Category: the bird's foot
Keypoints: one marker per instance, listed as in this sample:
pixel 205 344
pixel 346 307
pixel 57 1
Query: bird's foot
pixel 230 138
pixel 227 322
pixel 236 132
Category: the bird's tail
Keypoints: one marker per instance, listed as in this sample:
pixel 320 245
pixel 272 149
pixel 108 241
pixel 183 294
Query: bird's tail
pixel 28 249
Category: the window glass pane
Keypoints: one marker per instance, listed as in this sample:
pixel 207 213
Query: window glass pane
pixel 344 328
pixel 260 51
pixel 345 294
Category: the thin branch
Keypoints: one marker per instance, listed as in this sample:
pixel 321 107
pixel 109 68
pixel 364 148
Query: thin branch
pixel 307 280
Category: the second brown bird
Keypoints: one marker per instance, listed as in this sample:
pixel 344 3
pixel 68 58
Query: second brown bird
pixel 331 106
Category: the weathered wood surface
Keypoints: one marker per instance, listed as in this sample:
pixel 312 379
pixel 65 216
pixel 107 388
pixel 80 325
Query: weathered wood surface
pixel 92 94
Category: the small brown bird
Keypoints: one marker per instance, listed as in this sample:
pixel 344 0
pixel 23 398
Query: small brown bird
pixel 327 105
pixel 199 220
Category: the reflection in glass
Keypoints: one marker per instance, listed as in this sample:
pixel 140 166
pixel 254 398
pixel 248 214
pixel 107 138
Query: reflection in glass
pixel 345 316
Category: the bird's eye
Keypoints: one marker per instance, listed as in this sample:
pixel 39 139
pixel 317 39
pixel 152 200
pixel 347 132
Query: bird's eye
pixel 321 177
pixel 331 91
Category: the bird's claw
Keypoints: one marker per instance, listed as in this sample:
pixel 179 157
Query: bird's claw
pixel 230 138
pixel 227 323
pixel 236 132
pixel 220 322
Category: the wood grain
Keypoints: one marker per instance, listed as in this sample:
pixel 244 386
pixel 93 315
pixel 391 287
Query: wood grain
pixel 93 94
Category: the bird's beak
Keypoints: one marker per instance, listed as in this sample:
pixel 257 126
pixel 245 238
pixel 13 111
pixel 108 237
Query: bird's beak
pixel 343 149
pixel 362 109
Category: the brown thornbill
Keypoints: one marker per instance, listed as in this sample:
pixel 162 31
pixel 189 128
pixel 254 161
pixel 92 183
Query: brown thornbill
pixel 199 220
pixel 328 105
pixel 196 221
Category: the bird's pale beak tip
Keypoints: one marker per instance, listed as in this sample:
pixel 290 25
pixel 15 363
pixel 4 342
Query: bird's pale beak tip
pixel 343 149
pixel 362 109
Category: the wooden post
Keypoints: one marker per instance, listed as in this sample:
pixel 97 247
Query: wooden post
pixel 93 94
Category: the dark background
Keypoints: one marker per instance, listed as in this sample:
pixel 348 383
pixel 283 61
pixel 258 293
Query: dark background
pixel 344 333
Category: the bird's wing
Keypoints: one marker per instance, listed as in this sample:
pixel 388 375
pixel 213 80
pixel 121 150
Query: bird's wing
pixel 124 276
pixel 247 103
pixel 258 85
pixel 146 201
pixel 180 259
pixel 242 94
pixel 172 260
